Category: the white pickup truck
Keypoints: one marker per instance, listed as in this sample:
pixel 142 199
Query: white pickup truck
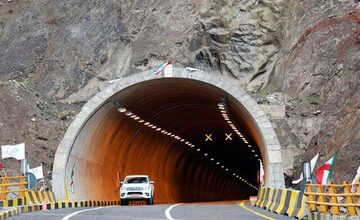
pixel 137 187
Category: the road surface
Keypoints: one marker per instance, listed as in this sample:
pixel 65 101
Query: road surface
pixel 192 211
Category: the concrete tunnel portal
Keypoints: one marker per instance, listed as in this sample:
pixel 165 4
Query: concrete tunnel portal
pixel 198 136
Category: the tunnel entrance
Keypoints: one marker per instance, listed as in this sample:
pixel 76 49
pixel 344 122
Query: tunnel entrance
pixel 197 136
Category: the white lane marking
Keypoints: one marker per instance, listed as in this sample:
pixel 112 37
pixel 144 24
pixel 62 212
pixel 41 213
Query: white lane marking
pixel 167 212
pixel 75 213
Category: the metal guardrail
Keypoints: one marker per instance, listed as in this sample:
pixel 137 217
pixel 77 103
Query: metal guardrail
pixel 17 183
pixel 331 197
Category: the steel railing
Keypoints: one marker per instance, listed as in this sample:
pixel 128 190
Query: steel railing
pixel 12 184
pixel 334 198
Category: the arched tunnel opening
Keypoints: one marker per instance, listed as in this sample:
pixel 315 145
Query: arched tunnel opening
pixel 196 142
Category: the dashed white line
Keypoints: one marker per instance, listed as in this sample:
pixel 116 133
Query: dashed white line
pixel 75 213
pixel 167 212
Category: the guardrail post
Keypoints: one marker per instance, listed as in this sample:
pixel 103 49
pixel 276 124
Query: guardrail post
pixel 4 188
pixel 349 199
pixel 333 199
pixel 22 186
pixel 311 197
pixel 321 198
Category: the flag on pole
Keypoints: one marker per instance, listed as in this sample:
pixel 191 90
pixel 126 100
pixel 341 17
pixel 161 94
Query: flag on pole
pixel 262 181
pixel 357 177
pixel 15 151
pixel 323 173
pixel 312 166
pixel 38 172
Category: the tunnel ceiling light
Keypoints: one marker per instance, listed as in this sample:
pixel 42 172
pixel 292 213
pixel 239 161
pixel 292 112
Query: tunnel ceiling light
pixel 122 109
pixel 159 129
pixel 253 151
pixel 224 113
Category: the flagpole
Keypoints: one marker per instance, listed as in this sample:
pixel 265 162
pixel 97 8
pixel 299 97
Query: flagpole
pixel 43 180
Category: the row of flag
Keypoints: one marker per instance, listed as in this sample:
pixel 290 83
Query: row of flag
pixel 322 174
pixel 18 152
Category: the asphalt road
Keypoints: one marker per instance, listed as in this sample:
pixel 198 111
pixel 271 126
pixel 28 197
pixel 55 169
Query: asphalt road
pixel 209 211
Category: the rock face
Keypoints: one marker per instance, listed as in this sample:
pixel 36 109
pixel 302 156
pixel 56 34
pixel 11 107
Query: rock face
pixel 319 67
pixel 299 60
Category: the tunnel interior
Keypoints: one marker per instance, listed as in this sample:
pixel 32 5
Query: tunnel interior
pixel 194 140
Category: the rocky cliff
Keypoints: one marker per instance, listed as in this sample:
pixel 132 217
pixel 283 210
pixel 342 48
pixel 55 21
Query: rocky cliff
pixel 299 59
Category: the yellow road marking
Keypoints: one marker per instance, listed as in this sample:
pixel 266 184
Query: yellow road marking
pixel 254 212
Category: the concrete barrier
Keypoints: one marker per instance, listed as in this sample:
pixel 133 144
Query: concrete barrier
pixel 17 210
pixel 54 205
pixel 38 198
pixel 283 201
pixel 35 201
pixel 12 202
pixel 260 196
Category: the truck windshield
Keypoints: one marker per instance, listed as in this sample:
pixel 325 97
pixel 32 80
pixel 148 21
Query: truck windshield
pixel 137 180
